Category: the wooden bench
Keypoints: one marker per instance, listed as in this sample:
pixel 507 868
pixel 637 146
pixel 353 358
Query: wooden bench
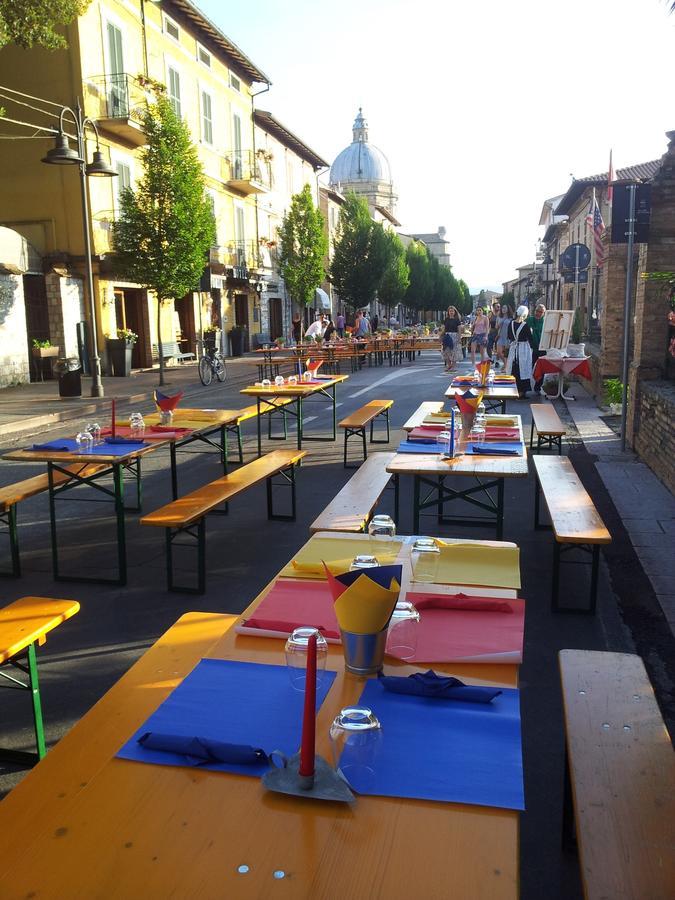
pixel 550 429
pixel 352 507
pixel 23 624
pixel 427 408
pixel 13 494
pixel 355 424
pixel 575 521
pixel 187 515
pixel 171 350
pixel 620 774
pixel 250 412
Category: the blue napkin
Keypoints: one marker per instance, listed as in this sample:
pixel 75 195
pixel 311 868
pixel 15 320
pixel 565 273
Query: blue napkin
pixel 62 446
pixel 123 440
pixel 496 449
pixel 419 447
pixel 429 684
pixel 200 750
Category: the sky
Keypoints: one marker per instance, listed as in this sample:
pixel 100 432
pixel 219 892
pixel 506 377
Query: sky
pixel 484 108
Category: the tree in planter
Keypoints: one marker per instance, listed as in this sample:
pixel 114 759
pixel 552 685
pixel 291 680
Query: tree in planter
pixel 166 223
pixel 303 247
pixel 360 254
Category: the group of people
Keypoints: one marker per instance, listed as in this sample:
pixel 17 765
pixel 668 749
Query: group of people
pixel 324 327
pixel 510 338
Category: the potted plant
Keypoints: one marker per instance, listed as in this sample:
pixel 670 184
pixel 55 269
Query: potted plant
pixel 119 352
pixel 575 348
pixel 280 342
pixel 44 349
pixel 210 336
pixel 614 395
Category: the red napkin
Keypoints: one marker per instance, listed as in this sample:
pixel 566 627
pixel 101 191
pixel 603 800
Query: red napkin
pixel 459 601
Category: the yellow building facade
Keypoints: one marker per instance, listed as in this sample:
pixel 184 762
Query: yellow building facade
pixel 116 51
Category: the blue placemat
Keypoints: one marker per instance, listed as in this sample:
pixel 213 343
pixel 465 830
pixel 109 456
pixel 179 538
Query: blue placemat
pixel 419 447
pixel 499 448
pixel 69 445
pixel 445 750
pixel 233 702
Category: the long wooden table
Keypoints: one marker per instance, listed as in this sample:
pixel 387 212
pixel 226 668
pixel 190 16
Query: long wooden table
pixel 431 471
pixel 84 824
pixel 203 430
pixel 494 396
pixel 297 394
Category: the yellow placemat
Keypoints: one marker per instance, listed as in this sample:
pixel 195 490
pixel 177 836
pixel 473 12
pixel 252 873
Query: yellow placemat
pixel 506 421
pixel 469 564
pixel 338 555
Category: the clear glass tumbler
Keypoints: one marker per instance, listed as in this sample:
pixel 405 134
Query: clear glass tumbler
pixel 137 425
pixel 382 525
pixel 364 561
pixel 402 632
pixel 94 430
pixel 356 740
pixel 296 656
pixel 84 441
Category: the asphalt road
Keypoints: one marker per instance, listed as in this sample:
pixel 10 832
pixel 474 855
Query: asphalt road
pixel 85 656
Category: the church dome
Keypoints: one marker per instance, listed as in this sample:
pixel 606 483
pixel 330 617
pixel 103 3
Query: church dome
pixel 361 161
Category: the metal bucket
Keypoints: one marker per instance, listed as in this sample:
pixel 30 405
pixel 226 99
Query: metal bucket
pixel 364 653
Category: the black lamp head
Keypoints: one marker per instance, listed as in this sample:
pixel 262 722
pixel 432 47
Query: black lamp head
pixel 98 166
pixel 61 153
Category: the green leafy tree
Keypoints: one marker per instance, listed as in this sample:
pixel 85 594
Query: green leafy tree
pixel 464 303
pixel 360 254
pixel 29 23
pixel 420 287
pixel 166 223
pixel 396 277
pixel 303 247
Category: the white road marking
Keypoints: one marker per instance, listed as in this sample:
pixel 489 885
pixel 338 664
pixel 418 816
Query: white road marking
pixel 384 380
pixel 309 419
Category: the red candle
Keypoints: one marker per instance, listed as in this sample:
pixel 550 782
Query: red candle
pixel 309 717
pixel 113 418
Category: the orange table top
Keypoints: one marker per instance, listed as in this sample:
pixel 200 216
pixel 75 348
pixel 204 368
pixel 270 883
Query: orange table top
pixel 85 824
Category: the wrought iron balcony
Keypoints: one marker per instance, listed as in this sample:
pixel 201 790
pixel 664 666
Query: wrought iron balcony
pixel 243 171
pixel 117 103
pixel 243 257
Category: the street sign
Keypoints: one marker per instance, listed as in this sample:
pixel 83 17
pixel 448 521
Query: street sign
pixel 576 256
pixel 620 214
pixel 581 277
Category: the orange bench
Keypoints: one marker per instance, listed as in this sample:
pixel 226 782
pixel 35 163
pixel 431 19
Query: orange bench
pixel 550 429
pixel 183 516
pixel 12 494
pixel 23 624
pixel 352 507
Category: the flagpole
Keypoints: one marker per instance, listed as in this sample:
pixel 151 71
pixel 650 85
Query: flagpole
pixel 632 188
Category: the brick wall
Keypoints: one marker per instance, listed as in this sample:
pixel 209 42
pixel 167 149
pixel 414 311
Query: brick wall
pixel 655 435
pixel 14 361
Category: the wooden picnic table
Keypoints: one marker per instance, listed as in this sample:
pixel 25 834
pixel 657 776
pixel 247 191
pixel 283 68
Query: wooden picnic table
pixel 494 396
pixel 86 824
pixel 280 395
pixel 431 472
pixel 203 424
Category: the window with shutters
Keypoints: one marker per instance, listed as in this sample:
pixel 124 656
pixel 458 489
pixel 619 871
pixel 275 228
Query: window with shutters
pixel 207 118
pixel 171 28
pixel 203 56
pixel 122 182
pixel 174 89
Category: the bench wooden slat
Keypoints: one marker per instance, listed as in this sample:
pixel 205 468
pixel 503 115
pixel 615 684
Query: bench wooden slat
pixel 11 494
pixel 622 770
pixel 546 419
pixel 352 506
pixel 573 515
pixel 427 408
pixel 366 414
pixel 28 620
pixel 198 503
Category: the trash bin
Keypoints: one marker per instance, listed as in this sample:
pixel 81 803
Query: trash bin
pixel 69 373
pixel 237 341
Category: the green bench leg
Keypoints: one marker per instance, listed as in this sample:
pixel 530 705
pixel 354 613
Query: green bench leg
pixel 20 756
pixel 200 537
pixel 384 413
pixel 8 518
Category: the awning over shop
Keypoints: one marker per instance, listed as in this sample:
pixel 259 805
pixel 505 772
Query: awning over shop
pixel 321 299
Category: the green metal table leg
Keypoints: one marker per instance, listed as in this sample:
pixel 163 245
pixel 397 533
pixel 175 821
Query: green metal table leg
pixel 223 448
pixel 174 471
pixel 121 535
pixel 52 521
pixel 37 705
pixel 416 505
pixel 259 428
pixel 298 410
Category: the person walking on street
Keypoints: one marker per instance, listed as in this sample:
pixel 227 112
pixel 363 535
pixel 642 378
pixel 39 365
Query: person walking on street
pixel 536 326
pixel 493 332
pixel 519 362
pixel 503 323
pixel 450 338
pixel 340 325
pixel 479 333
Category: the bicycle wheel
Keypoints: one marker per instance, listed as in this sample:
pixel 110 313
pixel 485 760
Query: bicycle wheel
pixel 205 370
pixel 219 368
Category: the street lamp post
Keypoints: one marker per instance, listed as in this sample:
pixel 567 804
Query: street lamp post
pixel 61 154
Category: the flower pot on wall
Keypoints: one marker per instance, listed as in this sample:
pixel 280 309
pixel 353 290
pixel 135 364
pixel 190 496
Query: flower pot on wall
pixel 119 357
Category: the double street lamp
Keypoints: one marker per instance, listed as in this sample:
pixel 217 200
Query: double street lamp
pixel 62 154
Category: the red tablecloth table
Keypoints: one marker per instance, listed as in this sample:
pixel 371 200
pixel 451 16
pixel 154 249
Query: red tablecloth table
pixel 563 365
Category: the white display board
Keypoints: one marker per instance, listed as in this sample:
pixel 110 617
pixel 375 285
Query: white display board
pixel 557 329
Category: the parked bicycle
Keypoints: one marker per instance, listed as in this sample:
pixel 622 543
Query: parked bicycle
pixel 210 364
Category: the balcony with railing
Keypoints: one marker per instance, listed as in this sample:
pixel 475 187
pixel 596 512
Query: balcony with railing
pixel 117 103
pixel 242 257
pixel 243 171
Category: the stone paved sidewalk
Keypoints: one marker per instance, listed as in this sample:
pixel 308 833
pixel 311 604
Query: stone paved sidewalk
pixel 646 506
